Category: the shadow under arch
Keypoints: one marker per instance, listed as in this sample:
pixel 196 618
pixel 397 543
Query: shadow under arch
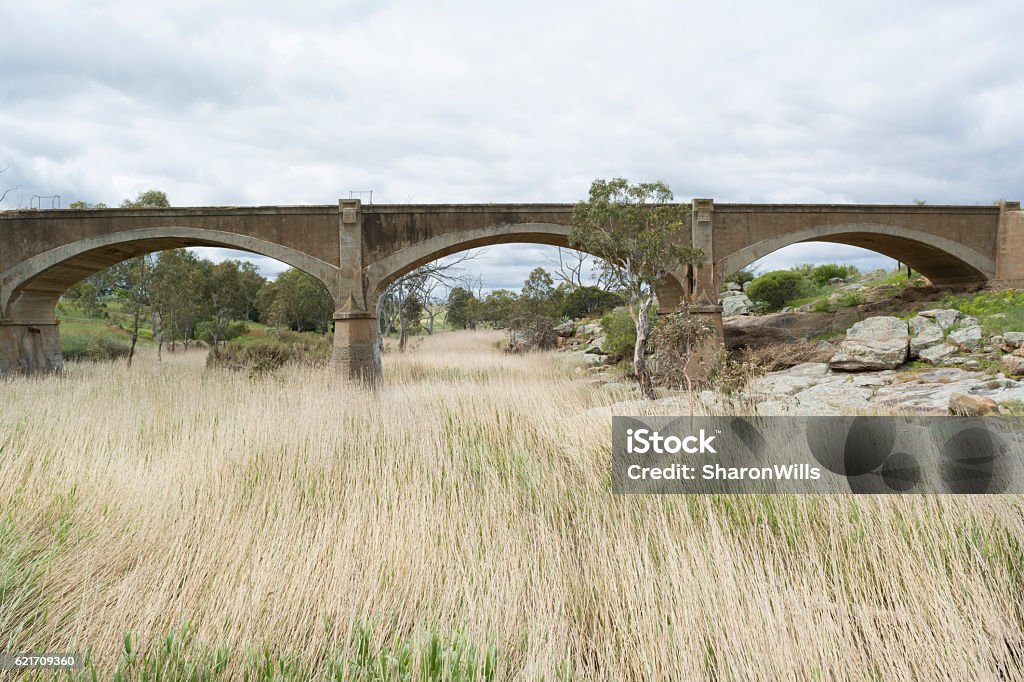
pixel 29 290
pixel 381 273
pixel 943 261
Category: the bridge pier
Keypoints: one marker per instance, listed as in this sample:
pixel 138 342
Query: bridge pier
pixel 1010 246
pixel 30 347
pixel 704 296
pixel 356 352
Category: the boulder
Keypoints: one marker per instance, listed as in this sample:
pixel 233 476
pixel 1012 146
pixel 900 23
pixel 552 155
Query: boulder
pixel 836 280
pixel 756 331
pixel 968 338
pixel 745 286
pixel 925 334
pixel 736 305
pixel 726 294
pixel 1013 339
pixel 935 354
pixel 595 346
pixel 875 343
pixel 972 405
pixel 733 286
pixel 944 317
pixel 565 329
pixel 1014 364
pixel 589 330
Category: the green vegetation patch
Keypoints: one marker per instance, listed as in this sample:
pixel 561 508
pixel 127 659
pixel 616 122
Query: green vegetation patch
pixel 272 352
pixel 997 311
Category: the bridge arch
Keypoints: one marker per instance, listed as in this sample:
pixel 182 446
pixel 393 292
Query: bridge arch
pixel 29 290
pixel 386 270
pixel 943 261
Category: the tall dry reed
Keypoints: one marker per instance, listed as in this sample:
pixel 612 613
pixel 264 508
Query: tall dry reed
pixel 296 520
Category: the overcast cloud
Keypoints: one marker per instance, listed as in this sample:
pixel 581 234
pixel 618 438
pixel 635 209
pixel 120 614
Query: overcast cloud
pixel 223 103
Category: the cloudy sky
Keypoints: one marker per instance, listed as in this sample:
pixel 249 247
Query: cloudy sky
pixel 301 102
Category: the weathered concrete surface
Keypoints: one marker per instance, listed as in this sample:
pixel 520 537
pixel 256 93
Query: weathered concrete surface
pixel 948 244
pixel 356 250
pixel 30 347
pixel 356 351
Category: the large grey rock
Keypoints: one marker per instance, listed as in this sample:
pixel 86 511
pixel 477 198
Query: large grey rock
pixel 925 334
pixel 595 347
pixel 935 354
pixel 733 286
pixel 565 329
pixel 796 378
pixel 875 343
pixel 836 280
pixel 811 389
pixel 729 292
pixel 944 317
pixel 968 337
pixel 736 305
pixel 1013 339
pixel 592 329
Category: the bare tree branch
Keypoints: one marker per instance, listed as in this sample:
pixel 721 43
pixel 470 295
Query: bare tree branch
pixel 421 283
pixel 9 189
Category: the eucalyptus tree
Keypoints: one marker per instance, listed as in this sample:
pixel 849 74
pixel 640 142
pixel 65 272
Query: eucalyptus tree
pixel 642 234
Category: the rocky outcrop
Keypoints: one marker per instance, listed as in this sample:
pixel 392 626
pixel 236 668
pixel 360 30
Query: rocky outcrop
pixel 737 304
pixel 1013 339
pixel 873 344
pixel 812 388
pixel 935 354
pixel 1014 364
pixel 925 333
pixel 566 329
pixel 596 346
pixel 944 317
pixel 968 335
pixel 972 405
pixel 762 330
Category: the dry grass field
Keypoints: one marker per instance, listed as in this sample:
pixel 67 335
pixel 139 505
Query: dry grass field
pixel 178 522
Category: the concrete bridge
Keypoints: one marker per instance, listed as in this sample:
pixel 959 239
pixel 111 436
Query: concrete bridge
pixel 357 250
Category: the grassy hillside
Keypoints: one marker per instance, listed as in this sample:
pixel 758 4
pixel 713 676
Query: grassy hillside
pixel 456 524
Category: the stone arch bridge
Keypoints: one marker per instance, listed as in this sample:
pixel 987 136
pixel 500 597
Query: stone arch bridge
pixel 357 250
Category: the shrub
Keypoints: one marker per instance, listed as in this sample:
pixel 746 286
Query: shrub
pixel 823 273
pixel 744 364
pixel 95 347
pixel 776 288
pixel 273 352
pixel 741 277
pixel 587 301
pixel 531 333
pixel 677 340
pixel 849 299
pixel 619 333
pixel 228 331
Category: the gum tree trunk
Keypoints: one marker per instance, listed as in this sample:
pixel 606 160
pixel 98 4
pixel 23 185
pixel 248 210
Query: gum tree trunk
pixel 643 376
